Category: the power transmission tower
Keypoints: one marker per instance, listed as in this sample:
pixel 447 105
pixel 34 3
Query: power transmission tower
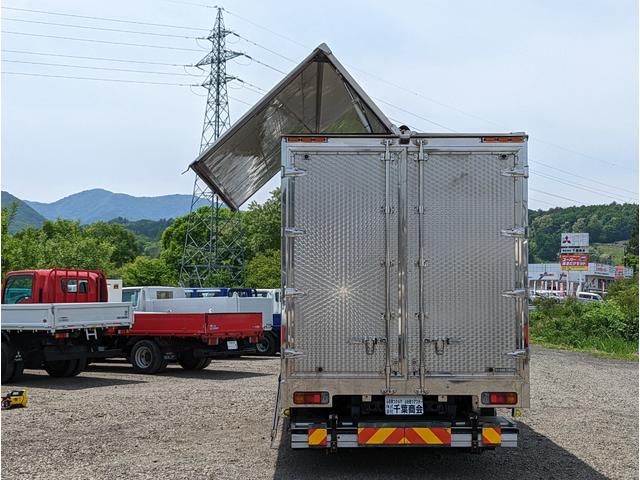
pixel 213 253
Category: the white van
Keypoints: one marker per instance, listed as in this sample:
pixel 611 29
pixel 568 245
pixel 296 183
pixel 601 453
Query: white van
pixel 588 297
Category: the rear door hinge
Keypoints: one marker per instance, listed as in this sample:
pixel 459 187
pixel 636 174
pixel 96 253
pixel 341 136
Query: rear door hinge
pixel 293 293
pixel 517 293
pixel 294 232
pixel 293 172
pixel 518 353
pixel 515 172
pixel 517 232
pixel 290 353
pixel 386 156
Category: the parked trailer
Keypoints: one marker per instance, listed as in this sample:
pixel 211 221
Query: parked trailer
pixel 385 343
pixel 56 319
pixel 171 327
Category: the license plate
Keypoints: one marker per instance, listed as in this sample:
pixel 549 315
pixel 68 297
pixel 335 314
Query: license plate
pixel 403 405
pixel 232 345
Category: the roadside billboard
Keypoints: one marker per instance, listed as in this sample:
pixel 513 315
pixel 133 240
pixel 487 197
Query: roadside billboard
pixel 574 262
pixel 569 240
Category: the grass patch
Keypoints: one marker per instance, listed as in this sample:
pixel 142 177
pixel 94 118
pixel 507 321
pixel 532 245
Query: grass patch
pixel 618 349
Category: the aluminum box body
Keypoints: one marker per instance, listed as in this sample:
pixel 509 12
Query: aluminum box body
pixel 404 265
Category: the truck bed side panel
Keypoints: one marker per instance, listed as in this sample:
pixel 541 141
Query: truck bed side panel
pixel 66 316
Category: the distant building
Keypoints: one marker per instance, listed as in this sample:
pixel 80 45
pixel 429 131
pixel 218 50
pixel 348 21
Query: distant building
pixel 548 276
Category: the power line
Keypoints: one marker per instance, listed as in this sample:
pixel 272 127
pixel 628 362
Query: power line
pixel 263 47
pixel 100 79
pixel 106 19
pixel 26 52
pixel 413 114
pixel 580 187
pixel 103 41
pixel 86 27
pixel 96 68
pixel 554 195
pixel 583 178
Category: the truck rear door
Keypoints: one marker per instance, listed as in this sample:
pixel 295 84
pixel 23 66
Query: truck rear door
pixel 466 256
pixel 340 246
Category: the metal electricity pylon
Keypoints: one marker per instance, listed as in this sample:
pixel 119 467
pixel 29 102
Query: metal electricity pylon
pixel 213 253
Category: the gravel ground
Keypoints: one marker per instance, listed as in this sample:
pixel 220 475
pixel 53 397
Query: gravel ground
pixel 109 423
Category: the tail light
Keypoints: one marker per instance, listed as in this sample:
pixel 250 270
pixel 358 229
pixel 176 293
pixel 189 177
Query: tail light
pixel 504 139
pixel 526 334
pixel 315 398
pixel 60 335
pixel 499 398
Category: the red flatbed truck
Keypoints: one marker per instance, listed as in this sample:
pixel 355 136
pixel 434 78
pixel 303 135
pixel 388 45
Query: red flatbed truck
pixel 170 334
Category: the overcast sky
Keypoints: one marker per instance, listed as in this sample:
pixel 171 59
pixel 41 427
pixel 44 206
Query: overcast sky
pixel 566 72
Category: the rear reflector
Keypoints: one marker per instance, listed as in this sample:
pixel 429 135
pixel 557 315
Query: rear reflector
pixel 315 398
pixel 60 335
pixel 504 139
pixel 499 398
pixel 306 139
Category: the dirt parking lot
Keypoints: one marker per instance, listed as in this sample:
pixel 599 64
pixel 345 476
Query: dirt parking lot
pixel 110 423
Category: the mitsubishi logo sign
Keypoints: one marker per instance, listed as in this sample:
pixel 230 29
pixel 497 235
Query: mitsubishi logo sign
pixel 572 240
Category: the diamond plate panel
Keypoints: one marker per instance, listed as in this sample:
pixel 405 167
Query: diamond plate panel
pixel 339 263
pixel 469 263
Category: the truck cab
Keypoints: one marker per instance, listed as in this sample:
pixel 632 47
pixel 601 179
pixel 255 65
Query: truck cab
pixel 54 286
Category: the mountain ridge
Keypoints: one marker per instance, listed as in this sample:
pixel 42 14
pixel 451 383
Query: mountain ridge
pixel 89 206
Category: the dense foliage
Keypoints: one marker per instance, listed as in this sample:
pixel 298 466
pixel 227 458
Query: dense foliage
pixel 604 223
pixel 610 326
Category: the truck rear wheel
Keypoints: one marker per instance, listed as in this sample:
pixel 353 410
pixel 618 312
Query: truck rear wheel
pixel 11 370
pixel 204 364
pixel 65 368
pixel 189 362
pixel 146 357
pixel 266 345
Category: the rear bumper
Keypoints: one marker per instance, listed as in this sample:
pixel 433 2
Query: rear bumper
pixel 489 433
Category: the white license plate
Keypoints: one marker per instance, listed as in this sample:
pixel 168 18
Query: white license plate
pixel 403 405
pixel 232 345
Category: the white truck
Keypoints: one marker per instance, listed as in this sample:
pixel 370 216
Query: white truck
pixel 404 267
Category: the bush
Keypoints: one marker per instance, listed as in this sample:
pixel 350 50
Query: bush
pixel 583 325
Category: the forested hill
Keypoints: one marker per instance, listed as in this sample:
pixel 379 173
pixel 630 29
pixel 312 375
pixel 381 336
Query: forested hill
pixel 604 223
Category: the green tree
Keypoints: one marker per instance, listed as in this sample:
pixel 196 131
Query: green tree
pixel 145 271
pixel 126 246
pixel 173 240
pixel 58 244
pixel 262 225
pixel 263 270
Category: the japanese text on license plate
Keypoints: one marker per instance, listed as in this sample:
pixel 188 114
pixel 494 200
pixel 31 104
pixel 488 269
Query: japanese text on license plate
pixel 232 345
pixel 403 405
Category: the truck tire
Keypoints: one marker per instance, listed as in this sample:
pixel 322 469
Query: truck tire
pixel 11 370
pixel 64 368
pixel 189 362
pixel 146 357
pixel 204 364
pixel 8 365
pixel 267 345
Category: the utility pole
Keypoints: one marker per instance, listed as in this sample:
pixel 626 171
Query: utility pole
pixel 213 253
